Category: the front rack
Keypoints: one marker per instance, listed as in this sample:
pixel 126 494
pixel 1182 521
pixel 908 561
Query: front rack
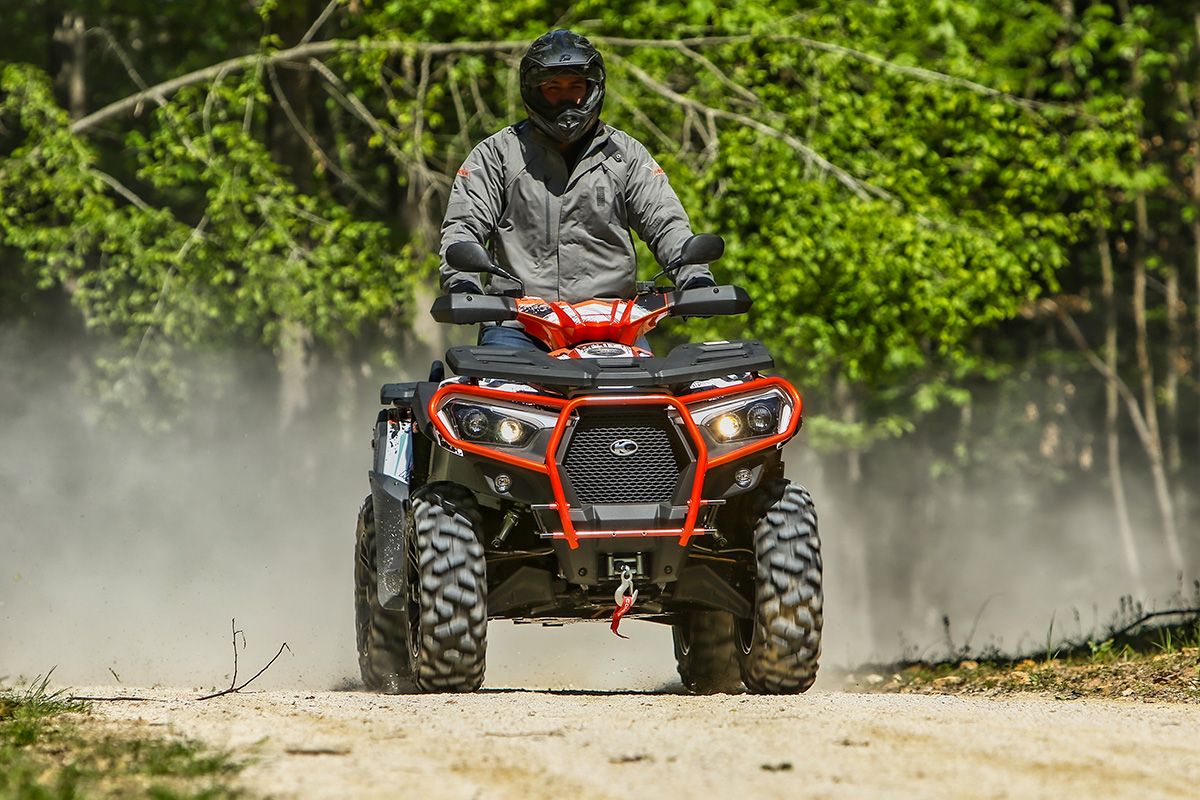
pixel 686 363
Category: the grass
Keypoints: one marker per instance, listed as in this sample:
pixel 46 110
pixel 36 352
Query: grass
pixel 1160 663
pixel 52 749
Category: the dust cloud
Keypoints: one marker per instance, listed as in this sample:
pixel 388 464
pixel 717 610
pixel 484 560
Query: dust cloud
pixel 1000 566
pixel 127 553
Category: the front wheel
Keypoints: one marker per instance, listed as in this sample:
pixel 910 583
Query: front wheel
pixel 447 589
pixel 781 644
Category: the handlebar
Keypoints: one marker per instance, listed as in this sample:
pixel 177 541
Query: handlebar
pixel 709 301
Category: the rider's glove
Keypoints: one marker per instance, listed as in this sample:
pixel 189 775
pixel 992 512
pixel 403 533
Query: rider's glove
pixel 698 282
pixel 463 287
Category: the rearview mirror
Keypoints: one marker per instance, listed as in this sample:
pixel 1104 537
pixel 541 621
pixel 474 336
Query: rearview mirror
pixel 701 249
pixel 471 257
pixel 468 257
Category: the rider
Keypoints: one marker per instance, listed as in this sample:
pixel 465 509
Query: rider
pixel 554 197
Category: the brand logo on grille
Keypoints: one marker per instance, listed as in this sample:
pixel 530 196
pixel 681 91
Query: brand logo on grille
pixel 623 447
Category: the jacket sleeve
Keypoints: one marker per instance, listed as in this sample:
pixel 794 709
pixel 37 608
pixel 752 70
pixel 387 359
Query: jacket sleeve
pixel 475 204
pixel 655 213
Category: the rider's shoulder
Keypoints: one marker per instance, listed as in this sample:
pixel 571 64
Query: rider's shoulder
pixel 621 142
pixel 500 138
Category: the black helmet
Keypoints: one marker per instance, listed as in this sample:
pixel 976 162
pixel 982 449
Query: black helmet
pixel 556 54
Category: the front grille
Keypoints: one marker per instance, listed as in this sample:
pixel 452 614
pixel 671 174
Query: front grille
pixel 648 475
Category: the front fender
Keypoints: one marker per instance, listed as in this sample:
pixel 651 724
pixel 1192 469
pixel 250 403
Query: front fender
pixel 390 498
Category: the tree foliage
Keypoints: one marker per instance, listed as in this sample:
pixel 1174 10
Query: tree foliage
pixel 895 180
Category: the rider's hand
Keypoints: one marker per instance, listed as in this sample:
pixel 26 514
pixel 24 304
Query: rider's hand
pixel 698 282
pixel 463 287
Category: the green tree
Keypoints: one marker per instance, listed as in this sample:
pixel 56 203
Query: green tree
pixel 919 194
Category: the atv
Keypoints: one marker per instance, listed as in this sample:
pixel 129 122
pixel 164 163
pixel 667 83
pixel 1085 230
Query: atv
pixel 593 481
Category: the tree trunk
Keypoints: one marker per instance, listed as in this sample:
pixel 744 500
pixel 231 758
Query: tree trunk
pixel 1194 111
pixel 290 118
pixel 68 61
pixel 854 537
pixel 295 344
pixel 1112 410
pixel 1175 359
pixel 290 122
pixel 1153 442
pixel 1152 438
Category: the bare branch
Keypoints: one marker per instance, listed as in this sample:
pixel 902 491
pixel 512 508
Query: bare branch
pixel 633 110
pixel 302 52
pixel 489 119
pixel 385 133
pixel 248 117
pixel 419 108
pixel 233 685
pixel 741 91
pixel 235 689
pixel 464 125
pixel 115 46
pixel 814 93
pixel 193 237
pixel 931 76
pixel 1131 401
pixel 391 74
pixel 316 26
pixel 315 147
pixel 1145 617
pixel 419 163
pixel 120 188
pixel 210 101
pixel 860 188
pixel 307 50
pixel 713 141
pixel 512 89
pixel 265 205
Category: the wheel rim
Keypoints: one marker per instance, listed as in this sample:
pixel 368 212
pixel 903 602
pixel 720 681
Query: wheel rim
pixel 683 632
pixel 744 631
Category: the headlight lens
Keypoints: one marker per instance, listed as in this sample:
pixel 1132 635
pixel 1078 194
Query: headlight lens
pixel 491 426
pixel 762 418
pixel 727 426
pixel 743 419
pixel 474 423
pixel 510 431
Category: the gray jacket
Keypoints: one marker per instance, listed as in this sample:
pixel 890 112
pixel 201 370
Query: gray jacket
pixel 566 236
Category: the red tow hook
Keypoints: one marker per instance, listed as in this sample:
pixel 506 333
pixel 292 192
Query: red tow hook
pixel 624 597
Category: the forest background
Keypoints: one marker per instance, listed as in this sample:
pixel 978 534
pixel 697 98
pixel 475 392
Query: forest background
pixel 971 230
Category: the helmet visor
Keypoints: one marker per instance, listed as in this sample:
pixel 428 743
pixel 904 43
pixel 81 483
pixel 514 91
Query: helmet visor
pixel 592 73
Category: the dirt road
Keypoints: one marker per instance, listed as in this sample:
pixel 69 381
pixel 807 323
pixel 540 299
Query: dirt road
pixel 521 743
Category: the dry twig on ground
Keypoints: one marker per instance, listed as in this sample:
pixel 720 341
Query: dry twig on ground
pixel 233 684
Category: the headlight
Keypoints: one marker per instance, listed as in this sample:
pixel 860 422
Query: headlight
pixel 762 418
pixel 511 431
pixel 742 418
pixel 727 426
pixel 474 423
pixel 491 426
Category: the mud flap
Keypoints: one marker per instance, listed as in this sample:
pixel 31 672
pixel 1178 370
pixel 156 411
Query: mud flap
pixel 390 498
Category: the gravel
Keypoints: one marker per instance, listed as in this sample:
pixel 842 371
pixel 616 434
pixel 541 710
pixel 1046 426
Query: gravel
pixel 527 743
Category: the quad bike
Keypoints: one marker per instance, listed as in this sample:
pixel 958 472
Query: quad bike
pixel 593 481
